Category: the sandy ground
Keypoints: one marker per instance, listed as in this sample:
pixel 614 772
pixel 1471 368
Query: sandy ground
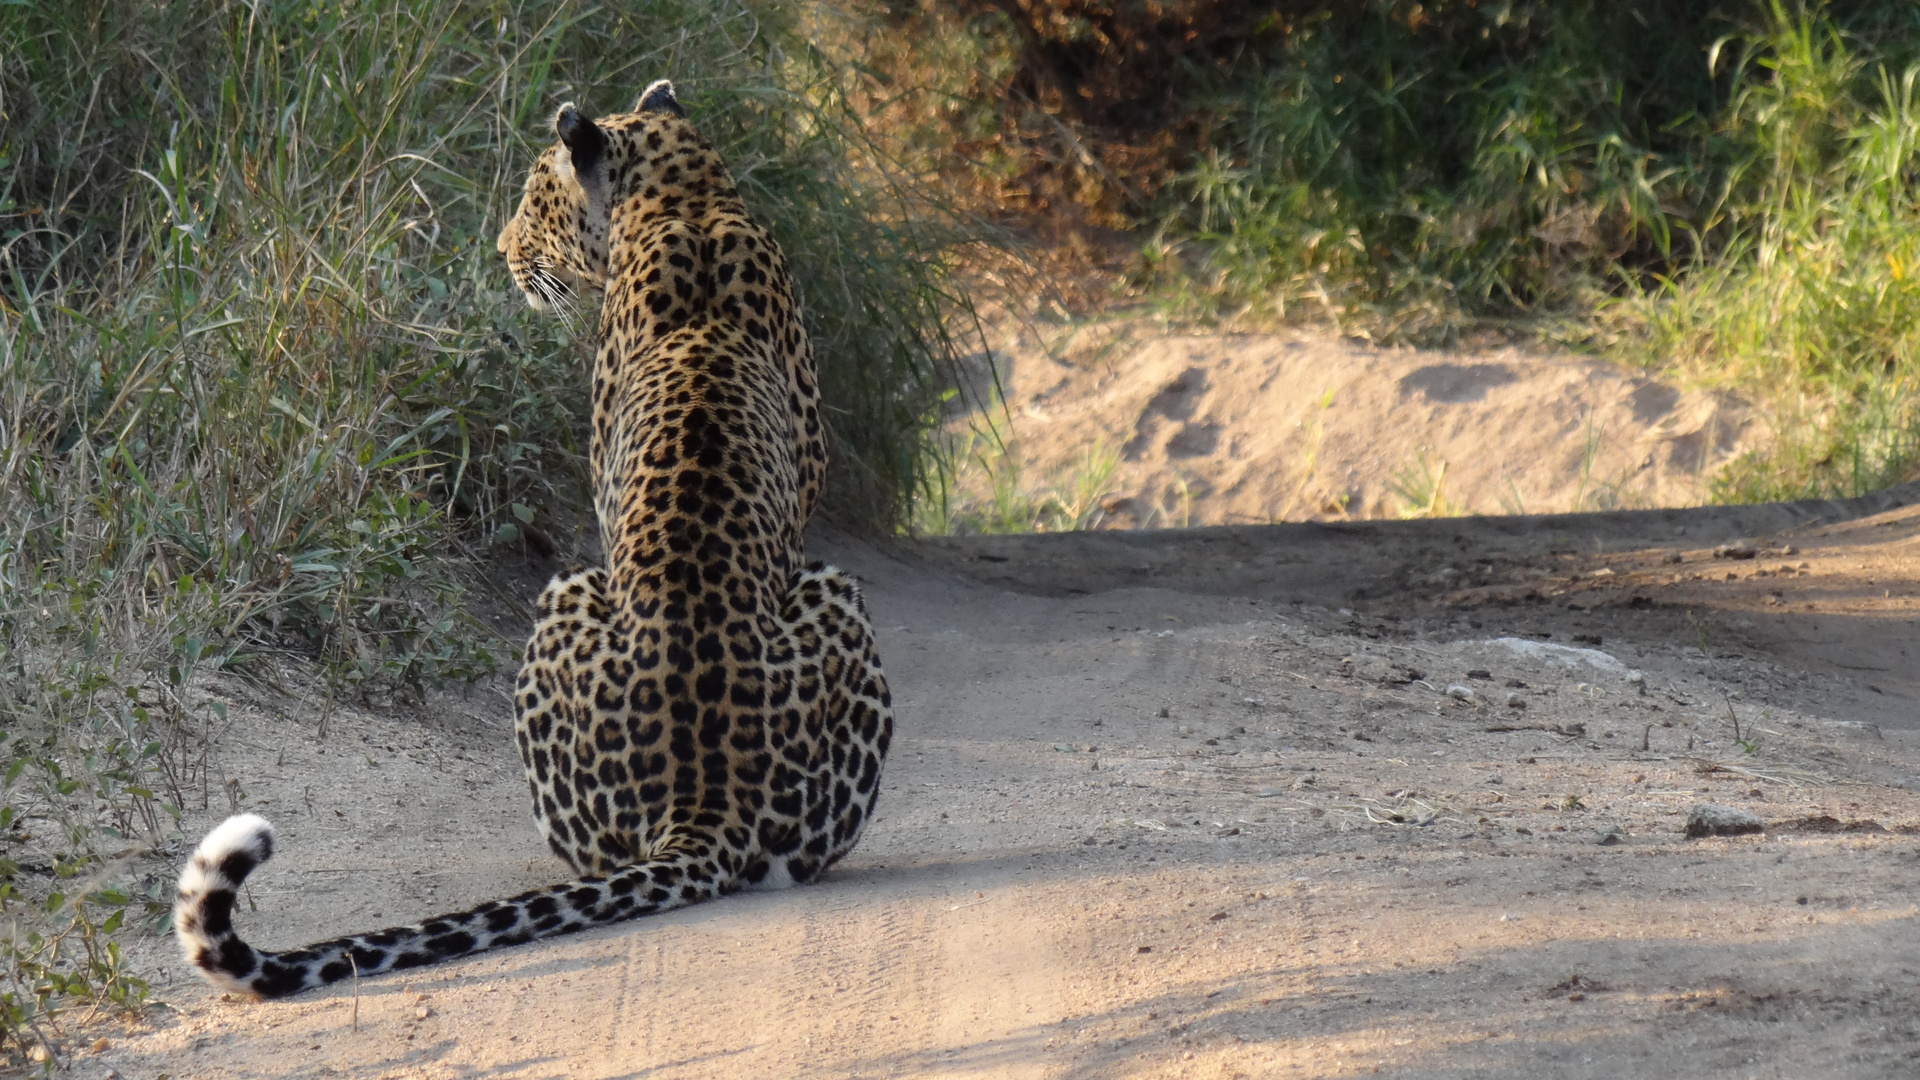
pixel 1394 798
pixel 1143 427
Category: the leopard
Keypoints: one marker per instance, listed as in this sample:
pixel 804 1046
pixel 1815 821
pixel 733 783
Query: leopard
pixel 706 712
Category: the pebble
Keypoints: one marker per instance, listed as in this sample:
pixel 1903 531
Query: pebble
pixel 1515 701
pixel 1460 693
pixel 1611 836
pixel 1712 819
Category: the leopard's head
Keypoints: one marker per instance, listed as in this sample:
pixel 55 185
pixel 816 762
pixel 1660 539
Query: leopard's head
pixel 556 244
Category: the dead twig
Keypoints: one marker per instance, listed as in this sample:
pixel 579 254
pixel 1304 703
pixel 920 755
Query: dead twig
pixel 1787 775
pixel 1567 731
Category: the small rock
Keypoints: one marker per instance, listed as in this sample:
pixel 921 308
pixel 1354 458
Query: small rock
pixel 1495 779
pixel 1611 837
pixel 1460 693
pixel 1267 793
pixel 100 1046
pixel 1636 677
pixel 1516 684
pixel 1712 819
pixel 1306 781
pixel 1479 673
pixel 1739 549
pixel 38 1053
pixel 422 1013
pixel 1515 701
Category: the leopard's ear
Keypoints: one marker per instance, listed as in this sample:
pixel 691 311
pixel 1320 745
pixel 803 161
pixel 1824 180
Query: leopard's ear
pixel 659 98
pixel 583 138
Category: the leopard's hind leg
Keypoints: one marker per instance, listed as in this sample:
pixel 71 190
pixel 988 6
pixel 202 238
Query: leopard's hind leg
pixel 836 724
pixel 554 721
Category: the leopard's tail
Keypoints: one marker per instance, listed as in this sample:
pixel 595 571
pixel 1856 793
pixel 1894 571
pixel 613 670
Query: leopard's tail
pixel 203 917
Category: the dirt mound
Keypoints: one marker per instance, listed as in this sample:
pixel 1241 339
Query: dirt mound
pixel 1128 428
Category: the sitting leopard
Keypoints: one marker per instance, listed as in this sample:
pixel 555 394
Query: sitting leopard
pixel 705 714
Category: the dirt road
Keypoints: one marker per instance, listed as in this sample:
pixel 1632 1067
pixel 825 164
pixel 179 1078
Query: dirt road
pixel 1404 799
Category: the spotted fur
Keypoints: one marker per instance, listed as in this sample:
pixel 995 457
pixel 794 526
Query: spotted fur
pixel 705 714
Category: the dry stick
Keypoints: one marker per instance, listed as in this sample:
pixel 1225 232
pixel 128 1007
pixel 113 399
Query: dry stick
pixel 1724 696
pixel 1646 738
pixel 355 964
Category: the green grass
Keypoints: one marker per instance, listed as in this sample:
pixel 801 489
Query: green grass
pixel 976 483
pixel 1810 305
pixel 265 388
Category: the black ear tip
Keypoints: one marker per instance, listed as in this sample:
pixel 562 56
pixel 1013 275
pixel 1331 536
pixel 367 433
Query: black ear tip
pixel 659 97
pixel 577 130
